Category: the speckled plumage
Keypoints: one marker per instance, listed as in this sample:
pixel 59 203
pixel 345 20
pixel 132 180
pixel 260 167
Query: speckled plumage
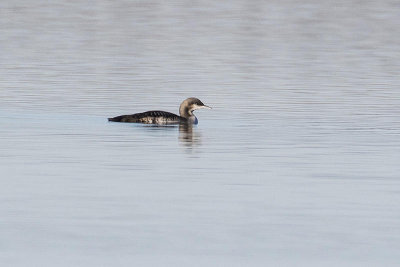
pixel 151 117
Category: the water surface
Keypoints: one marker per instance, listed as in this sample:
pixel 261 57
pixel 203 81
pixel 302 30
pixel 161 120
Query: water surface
pixel 296 165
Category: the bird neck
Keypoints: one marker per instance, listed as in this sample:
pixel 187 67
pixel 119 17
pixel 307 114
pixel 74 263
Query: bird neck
pixel 185 112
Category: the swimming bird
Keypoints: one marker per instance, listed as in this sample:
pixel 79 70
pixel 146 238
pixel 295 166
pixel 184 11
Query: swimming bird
pixel 186 115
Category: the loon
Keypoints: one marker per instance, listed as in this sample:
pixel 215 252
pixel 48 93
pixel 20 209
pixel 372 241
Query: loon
pixel 186 115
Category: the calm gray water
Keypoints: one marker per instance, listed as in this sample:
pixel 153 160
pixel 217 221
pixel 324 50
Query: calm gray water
pixel 297 164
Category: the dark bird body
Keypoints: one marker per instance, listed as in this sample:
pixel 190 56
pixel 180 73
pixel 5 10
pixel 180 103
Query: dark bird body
pixel 151 117
pixel 185 116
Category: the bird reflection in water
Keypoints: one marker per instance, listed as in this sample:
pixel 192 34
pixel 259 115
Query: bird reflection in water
pixel 188 135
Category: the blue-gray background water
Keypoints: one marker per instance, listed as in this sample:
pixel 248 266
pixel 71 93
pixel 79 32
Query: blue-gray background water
pixel 296 165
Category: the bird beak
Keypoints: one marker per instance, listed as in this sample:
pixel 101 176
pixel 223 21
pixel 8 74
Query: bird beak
pixel 207 107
